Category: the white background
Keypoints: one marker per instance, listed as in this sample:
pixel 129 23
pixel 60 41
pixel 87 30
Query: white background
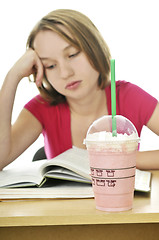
pixel 130 28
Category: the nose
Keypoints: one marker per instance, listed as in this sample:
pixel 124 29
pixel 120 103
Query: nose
pixel 66 70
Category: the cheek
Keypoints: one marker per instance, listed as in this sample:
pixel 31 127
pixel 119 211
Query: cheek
pixel 56 84
pixel 90 72
pixel 51 78
pixel 87 68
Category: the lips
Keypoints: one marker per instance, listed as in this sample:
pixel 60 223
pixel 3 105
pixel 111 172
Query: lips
pixel 73 85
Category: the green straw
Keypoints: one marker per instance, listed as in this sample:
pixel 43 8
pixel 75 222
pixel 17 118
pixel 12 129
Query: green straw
pixel 113 98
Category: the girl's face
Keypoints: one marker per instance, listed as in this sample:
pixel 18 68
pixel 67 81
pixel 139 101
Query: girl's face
pixel 66 68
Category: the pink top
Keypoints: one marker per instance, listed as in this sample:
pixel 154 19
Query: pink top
pixel 132 103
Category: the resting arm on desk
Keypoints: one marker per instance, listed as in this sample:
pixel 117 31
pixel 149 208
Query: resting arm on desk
pixel 150 159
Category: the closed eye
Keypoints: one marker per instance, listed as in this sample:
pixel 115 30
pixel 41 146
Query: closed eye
pixel 74 55
pixel 51 67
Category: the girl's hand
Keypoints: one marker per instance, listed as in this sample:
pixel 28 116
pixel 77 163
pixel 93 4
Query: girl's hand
pixel 28 64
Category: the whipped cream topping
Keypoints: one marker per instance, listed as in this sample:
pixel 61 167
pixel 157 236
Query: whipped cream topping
pixel 107 136
pixel 104 141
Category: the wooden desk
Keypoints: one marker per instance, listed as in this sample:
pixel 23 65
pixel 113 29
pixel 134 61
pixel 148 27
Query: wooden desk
pixel 78 219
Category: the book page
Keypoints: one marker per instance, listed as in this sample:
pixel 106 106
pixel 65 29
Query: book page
pixel 74 159
pixel 63 173
pixel 62 190
pixel 142 181
pixel 15 176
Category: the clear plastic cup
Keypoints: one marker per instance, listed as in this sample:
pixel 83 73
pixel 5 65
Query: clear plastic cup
pixel 112 162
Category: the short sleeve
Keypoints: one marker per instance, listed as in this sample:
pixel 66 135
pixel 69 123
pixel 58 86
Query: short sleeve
pixel 56 125
pixel 135 103
pixel 37 107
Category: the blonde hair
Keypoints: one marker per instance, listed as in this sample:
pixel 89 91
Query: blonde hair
pixel 85 37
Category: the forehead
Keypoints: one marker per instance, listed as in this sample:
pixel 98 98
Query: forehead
pixel 57 31
pixel 45 37
pixel 49 43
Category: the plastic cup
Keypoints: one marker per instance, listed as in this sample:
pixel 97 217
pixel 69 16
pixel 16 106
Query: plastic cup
pixel 112 162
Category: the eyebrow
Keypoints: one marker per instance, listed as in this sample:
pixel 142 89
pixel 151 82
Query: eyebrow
pixel 65 49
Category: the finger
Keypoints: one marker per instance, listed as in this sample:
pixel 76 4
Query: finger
pixel 39 74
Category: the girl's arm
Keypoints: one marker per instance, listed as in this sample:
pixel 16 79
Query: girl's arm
pixel 150 159
pixel 15 139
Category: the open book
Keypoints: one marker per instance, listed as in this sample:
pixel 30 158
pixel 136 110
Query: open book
pixel 65 176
